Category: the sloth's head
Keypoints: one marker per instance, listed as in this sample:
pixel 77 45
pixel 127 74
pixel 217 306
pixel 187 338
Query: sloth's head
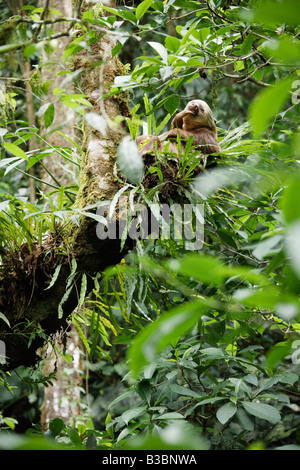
pixel 198 114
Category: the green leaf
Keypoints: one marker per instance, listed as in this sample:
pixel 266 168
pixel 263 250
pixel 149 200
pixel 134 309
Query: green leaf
pixel 56 426
pixel 83 289
pixel 171 415
pixel 144 390
pixel 142 8
pixel 184 391
pixel 244 420
pixel 15 150
pixel 49 115
pixel 274 13
pixel 284 49
pixel 290 201
pixel 278 353
pixel 63 300
pixel 155 337
pixel 203 268
pixel 74 436
pixel 180 435
pixel 171 104
pixel 226 412
pixel 55 276
pixel 161 50
pixel 133 413
pixel 267 104
pixel 3 317
pixel 260 410
pixel 247 44
pixel 172 44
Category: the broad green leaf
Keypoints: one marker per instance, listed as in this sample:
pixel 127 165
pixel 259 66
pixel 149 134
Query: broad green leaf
pixel 74 436
pixel 171 415
pixel 289 378
pixel 30 50
pixel 56 426
pixel 284 49
pixel 176 436
pixel 226 412
pixel 290 201
pixel 171 104
pixel 244 420
pixel 172 44
pixel 142 8
pixel 210 270
pixel 263 411
pixel 144 390
pixel 274 13
pixel 259 297
pixel 247 44
pixel 203 268
pixel 159 334
pixel 41 111
pixel 161 50
pixel 133 413
pixel 267 104
pixel 210 400
pixel 49 115
pixel 15 150
pixel 184 391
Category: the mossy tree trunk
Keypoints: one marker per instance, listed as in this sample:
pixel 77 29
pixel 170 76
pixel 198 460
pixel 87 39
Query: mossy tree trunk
pixel 64 355
pixel 27 273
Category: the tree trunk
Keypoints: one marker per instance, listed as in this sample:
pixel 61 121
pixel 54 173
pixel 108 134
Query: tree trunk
pixel 63 398
pixel 27 273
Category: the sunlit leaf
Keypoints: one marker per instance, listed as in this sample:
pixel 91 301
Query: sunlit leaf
pixel 181 435
pixel 161 50
pixel 142 8
pixel 267 104
pixel 284 49
pixel 155 337
pixel 290 200
pixel 226 412
pixel 15 150
pixel 272 12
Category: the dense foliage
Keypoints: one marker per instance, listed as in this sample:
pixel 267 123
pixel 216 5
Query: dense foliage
pixel 206 341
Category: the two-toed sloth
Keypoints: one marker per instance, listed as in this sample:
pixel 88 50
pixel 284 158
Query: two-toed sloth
pixel 195 120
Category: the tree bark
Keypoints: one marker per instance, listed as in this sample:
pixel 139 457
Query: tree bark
pixel 63 398
pixel 25 299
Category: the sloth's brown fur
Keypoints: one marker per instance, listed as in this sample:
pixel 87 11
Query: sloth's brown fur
pixel 195 120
